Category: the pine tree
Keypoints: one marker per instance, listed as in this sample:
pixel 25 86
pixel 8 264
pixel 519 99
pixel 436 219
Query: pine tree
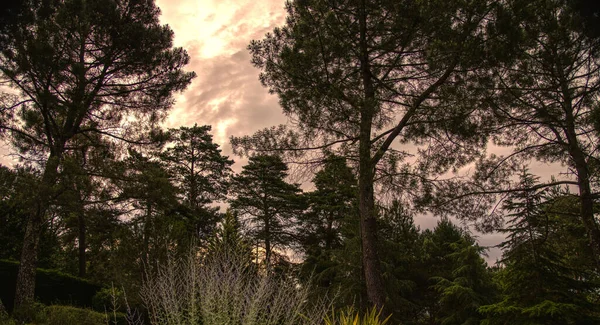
pixel 331 207
pixel 357 77
pixel 545 98
pixel 267 204
pixel 158 227
pixel 102 68
pixel 201 173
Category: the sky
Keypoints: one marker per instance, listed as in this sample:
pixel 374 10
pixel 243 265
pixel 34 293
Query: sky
pixel 226 93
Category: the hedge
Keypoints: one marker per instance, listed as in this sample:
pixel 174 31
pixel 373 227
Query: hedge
pixel 52 287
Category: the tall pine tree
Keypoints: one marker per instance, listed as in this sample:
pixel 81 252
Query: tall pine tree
pixel 267 204
pixel 103 68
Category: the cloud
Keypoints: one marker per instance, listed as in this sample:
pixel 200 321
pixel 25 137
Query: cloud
pixel 226 93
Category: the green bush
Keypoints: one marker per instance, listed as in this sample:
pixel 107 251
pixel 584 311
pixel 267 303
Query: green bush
pixel 68 315
pixel 52 287
pixel 110 299
pixel 39 314
pixel 4 319
pixel 30 313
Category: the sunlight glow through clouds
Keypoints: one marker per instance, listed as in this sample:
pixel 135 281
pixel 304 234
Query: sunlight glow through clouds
pixel 215 34
pixel 198 21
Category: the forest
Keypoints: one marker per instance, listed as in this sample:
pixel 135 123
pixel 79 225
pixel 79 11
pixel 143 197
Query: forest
pixel 397 110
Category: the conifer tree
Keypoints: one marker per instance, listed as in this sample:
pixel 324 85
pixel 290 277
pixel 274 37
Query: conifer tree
pixel 360 77
pixel 540 282
pixel 200 172
pixel 332 206
pixel 228 239
pixel 267 204
pixel 103 68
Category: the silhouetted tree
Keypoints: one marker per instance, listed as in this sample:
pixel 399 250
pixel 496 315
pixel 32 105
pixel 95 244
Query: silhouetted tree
pixel 357 76
pixel 81 67
pixel 267 203
pixel 201 172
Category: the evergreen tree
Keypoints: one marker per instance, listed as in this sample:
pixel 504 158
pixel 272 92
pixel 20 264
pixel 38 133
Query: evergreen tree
pixel 102 68
pixel 540 282
pixel 267 204
pixel 359 76
pixel 228 239
pixel 457 279
pixel 15 199
pixel 402 261
pixel 468 287
pixel 158 228
pixel 545 99
pixel 332 205
pixel 201 173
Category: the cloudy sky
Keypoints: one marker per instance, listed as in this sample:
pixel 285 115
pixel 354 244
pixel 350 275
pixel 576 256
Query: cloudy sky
pixel 226 93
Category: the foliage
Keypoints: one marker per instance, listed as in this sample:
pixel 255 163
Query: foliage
pixel 402 247
pixel 349 316
pixel 468 287
pixel 549 272
pixel 29 313
pixel 229 238
pixel 385 98
pixel 267 203
pixel 455 279
pixel 108 70
pixel 366 79
pixel 68 315
pixel 109 299
pixel 4 319
pixel 201 173
pixel 52 287
pixel 15 200
pixel 40 314
pixel 332 207
pixel 544 101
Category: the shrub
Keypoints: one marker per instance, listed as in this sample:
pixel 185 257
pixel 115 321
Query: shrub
pixel 30 313
pixel 4 319
pixel 349 316
pixel 51 286
pixel 223 290
pixel 109 299
pixel 68 315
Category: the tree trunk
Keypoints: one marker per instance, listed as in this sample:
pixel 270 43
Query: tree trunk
pixel 368 227
pixel 25 289
pixel 583 176
pixel 587 203
pixel 82 244
pixel 368 224
pixel 267 242
pixel 145 267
